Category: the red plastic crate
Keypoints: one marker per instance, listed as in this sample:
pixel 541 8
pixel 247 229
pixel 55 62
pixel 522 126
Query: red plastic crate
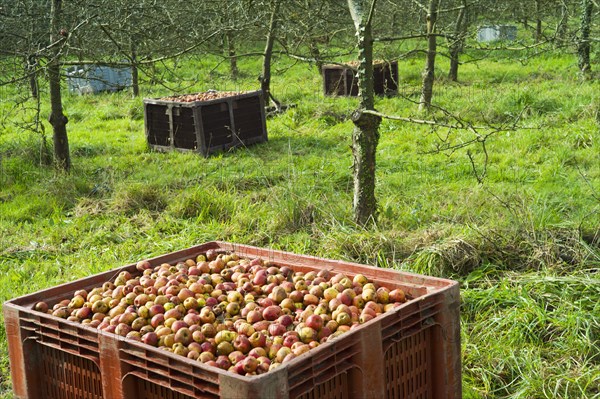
pixel 412 351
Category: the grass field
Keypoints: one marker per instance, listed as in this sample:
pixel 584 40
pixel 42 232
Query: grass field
pixel 524 242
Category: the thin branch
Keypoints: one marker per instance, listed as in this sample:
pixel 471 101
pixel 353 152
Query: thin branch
pixel 460 125
pixel 115 42
pixel 371 13
pixel 457 8
pixel 63 40
pixel 155 60
pixel 182 52
pixel 480 177
pixel 421 6
pixel 315 60
pixel 419 36
pixel 524 47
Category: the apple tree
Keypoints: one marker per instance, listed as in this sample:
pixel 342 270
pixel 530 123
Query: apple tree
pixel 429 71
pixel 365 136
pixel 58 120
pixel 584 40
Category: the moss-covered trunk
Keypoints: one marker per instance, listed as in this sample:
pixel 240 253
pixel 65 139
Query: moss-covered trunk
pixel 457 45
pixel 584 45
pixel 231 54
pixel 31 66
pixel 365 136
pixel 265 79
pixel 538 22
pixel 135 77
pixel 563 24
pixel 58 120
pixel 315 53
pixel 429 71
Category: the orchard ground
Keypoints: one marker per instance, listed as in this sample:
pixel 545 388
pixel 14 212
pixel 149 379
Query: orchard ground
pixel 517 222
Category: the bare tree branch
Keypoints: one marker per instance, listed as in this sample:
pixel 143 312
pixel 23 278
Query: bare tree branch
pixel 418 36
pixel 481 134
pixel 371 12
pixel 163 58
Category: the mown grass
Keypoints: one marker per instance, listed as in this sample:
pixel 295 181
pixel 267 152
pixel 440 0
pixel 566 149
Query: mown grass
pixel 524 242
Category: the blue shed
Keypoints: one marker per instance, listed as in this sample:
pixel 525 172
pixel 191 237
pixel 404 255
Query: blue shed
pixel 490 33
pixel 91 79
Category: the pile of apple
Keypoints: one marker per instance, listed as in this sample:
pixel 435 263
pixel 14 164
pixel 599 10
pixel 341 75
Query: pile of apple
pixel 206 96
pixel 244 315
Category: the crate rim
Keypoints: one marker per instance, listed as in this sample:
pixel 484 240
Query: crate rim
pixel 442 282
pixel 343 65
pixel 161 101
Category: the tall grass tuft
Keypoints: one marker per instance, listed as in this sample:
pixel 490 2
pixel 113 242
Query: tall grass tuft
pixel 134 197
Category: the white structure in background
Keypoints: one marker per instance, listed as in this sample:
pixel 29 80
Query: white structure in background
pixel 91 79
pixel 490 33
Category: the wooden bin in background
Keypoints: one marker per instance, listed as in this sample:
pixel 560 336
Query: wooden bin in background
pixel 410 352
pixel 340 80
pixel 205 126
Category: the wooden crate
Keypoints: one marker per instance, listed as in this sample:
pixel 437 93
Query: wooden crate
pixel 340 80
pixel 223 121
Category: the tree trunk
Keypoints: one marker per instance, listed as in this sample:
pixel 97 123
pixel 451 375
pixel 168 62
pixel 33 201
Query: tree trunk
pixel 583 45
pixel 429 71
pixel 365 136
pixel 316 54
pixel 233 68
pixel 456 48
pixel 31 69
pixel 135 79
pixel 561 29
pixel 538 22
pixel 57 118
pixel 265 79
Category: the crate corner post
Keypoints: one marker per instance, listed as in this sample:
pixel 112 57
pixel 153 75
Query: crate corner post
pixel 23 354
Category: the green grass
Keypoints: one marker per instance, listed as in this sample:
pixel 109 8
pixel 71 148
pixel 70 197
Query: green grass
pixel 524 243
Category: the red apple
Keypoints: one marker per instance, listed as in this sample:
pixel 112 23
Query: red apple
pixel 157 320
pixel 236 356
pixel 257 352
pixel 150 338
pixel 223 362
pixel 254 316
pixel 314 321
pixel 183 336
pixel 276 329
pixel 242 343
pixel 179 324
pixel 258 339
pixel 191 319
pixel 250 364
pixel 271 313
